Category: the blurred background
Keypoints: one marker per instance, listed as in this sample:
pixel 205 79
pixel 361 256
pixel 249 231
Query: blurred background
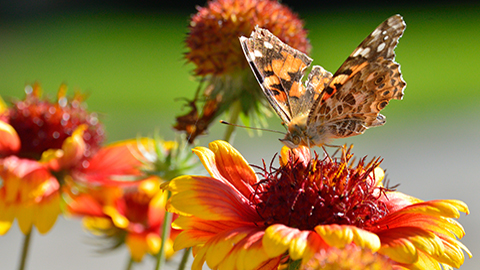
pixel 128 56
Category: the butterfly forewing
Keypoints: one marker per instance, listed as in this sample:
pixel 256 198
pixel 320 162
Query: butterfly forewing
pixel 279 69
pixel 363 85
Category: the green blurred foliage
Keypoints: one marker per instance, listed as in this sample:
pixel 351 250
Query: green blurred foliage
pixel 132 64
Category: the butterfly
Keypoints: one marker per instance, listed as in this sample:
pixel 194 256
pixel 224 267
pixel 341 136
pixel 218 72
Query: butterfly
pixel 327 106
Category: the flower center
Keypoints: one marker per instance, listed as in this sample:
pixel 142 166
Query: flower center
pixel 136 207
pixel 42 125
pixel 322 192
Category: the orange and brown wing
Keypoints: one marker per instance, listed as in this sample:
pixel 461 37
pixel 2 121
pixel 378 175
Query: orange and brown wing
pixel 279 69
pixel 363 85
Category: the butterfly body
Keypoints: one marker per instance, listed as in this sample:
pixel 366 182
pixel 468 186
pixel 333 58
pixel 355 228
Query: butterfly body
pixel 327 106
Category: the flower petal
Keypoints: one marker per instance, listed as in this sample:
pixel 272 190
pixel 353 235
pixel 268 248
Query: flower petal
pixel 300 244
pixel 199 254
pixel 72 151
pixel 7 215
pixel 341 235
pixel 248 254
pixel 444 208
pixel 9 140
pixel 225 163
pixel 423 240
pixel 118 219
pixel 24 215
pixel 116 163
pixel 137 246
pixel 277 239
pixel 46 214
pixel 208 199
pixel 198 232
pixel 453 255
pixel 221 245
pixel 300 154
pixel 396 200
pixel 31 192
pixel 400 250
pixel 240 248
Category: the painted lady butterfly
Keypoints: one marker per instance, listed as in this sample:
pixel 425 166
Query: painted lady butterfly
pixel 328 107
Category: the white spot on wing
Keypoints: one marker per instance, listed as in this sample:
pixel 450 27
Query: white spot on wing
pixel 365 52
pixel 375 32
pixel 257 53
pixel 357 52
pixel 268 45
pixel 381 47
pixel 384 32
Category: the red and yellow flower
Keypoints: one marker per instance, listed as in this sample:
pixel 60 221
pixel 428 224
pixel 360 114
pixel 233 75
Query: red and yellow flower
pixel 47 149
pixel 116 206
pixel 131 216
pixel 39 141
pixel 307 206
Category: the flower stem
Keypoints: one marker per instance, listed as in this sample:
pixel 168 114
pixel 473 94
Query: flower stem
pixel 25 248
pixel 183 263
pixel 294 265
pixel 129 264
pixel 234 114
pixel 167 220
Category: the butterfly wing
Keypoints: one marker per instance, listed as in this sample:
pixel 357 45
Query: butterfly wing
pixel 363 85
pixel 279 69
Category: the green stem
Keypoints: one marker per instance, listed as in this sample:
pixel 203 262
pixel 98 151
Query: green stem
pixel 167 221
pixel 234 114
pixel 294 265
pixel 183 263
pixel 129 264
pixel 25 248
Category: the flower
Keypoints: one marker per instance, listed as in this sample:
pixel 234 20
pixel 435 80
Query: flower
pixel 215 29
pixel 306 206
pixel 35 124
pixel 39 141
pixel 131 216
pixel 116 206
pixel 214 49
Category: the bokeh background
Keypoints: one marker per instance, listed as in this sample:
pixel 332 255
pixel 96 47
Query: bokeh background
pixel 128 55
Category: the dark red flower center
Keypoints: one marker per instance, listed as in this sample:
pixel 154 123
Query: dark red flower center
pixel 136 207
pixel 326 191
pixel 42 124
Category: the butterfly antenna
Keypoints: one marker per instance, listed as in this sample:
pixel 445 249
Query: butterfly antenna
pixel 254 128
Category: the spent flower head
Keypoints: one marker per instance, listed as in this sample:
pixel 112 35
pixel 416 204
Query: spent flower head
pixel 306 206
pixel 213 47
pixel 214 31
